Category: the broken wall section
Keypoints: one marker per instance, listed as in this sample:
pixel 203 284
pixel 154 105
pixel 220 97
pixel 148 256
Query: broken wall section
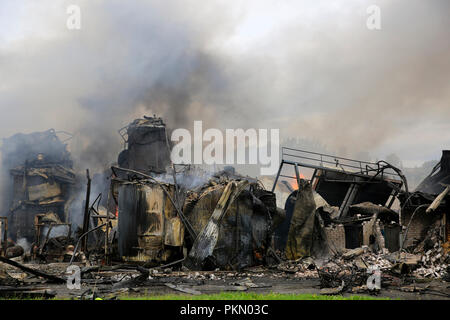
pixel 336 237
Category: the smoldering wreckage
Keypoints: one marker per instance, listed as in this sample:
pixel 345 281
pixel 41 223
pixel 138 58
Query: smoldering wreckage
pixel 157 227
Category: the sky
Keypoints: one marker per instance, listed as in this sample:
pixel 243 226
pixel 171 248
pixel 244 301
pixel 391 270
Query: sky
pixel 310 68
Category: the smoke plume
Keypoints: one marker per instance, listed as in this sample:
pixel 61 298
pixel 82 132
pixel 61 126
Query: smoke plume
pixel 311 68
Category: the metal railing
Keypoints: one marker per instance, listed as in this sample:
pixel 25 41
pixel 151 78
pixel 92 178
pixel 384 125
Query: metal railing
pixel 326 161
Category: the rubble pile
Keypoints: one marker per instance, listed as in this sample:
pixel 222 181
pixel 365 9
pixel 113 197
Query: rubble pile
pixel 5 278
pixel 435 259
pixel 434 264
pixel 359 259
pixel 364 258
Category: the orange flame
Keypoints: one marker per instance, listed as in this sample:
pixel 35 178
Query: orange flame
pixel 293 182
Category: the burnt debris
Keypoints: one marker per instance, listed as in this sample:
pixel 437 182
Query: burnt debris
pixel 343 222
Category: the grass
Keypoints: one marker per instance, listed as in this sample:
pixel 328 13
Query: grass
pixel 247 296
pixel 223 296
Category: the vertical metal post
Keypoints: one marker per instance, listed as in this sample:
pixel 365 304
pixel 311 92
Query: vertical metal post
pixel 107 228
pixel 86 212
pixel 297 174
pixel 348 200
pixel 278 175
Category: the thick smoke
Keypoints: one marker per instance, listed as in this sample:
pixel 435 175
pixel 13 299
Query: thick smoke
pixel 310 68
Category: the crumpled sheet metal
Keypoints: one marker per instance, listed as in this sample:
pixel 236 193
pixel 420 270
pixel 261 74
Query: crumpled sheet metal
pixel 301 230
pixel 244 231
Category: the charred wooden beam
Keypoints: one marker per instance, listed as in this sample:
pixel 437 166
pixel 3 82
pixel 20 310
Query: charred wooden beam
pixel 38 273
pixel 435 204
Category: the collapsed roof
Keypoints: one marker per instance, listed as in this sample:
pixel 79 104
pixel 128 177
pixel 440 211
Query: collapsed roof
pixel 439 177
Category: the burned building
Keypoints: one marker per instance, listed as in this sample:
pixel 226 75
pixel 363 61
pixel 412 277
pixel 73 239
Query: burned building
pixel 41 174
pixel 163 215
pixel 158 224
pixel 351 198
pixel 428 206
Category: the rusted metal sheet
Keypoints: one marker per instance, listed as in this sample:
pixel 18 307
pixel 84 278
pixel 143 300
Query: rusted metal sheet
pixel 174 232
pixel 148 223
pixel 154 217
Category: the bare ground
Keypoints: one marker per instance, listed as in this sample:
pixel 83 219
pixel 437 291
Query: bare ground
pixel 114 284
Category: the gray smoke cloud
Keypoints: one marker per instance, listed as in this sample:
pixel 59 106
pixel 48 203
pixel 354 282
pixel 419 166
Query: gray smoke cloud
pixel 310 68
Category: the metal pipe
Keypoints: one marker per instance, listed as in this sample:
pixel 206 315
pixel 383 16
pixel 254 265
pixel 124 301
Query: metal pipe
pixel 278 175
pixel 324 168
pixel 336 163
pixel 81 237
pixel 327 155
